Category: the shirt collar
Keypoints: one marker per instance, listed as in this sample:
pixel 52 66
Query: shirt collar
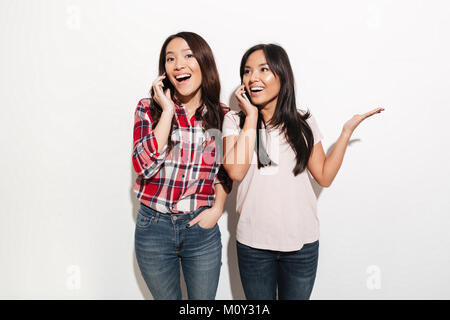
pixel 179 106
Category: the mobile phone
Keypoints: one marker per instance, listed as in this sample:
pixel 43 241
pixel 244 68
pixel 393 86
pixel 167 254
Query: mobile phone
pixel 166 83
pixel 245 95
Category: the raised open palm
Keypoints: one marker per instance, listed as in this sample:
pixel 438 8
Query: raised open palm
pixel 351 124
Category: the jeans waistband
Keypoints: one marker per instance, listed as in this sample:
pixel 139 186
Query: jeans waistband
pixel 172 216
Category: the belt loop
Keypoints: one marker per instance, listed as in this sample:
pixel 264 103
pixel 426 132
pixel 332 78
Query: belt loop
pixel 156 216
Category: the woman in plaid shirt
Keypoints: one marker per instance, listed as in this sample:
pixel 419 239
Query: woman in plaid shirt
pixel 181 184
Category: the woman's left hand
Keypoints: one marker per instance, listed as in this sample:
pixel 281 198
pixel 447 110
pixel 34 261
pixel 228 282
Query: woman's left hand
pixel 207 218
pixel 351 124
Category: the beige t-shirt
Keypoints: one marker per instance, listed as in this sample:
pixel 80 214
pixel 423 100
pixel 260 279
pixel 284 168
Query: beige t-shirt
pixel 277 210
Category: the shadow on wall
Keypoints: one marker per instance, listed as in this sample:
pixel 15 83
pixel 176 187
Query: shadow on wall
pixel 317 187
pixel 135 207
pixel 237 292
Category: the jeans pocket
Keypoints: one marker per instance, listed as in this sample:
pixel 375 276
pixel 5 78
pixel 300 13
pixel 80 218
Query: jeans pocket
pixel 206 229
pixel 143 221
pixel 197 225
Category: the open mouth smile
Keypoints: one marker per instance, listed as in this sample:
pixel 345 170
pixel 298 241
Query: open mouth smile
pixel 182 77
pixel 256 90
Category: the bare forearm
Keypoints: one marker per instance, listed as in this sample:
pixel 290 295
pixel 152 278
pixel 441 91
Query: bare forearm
pixel 325 168
pixel 239 157
pixel 162 129
pixel 220 196
pixel 334 160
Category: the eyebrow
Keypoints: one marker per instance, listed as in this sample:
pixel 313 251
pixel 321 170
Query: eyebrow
pixel 262 64
pixel 170 52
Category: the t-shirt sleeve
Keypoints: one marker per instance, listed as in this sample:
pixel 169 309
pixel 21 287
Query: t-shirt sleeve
pixel 230 125
pixel 317 134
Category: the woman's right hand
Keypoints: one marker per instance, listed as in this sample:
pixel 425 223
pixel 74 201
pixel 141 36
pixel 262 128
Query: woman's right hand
pixel 246 106
pixel 162 97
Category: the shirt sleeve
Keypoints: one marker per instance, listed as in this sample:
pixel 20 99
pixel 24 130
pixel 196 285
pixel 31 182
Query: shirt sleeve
pixel 318 136
pixel 222 175
pixel 230 125
pixel 146 159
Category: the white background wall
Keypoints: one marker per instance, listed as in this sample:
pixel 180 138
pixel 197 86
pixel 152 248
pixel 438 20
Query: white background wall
pixel 72 73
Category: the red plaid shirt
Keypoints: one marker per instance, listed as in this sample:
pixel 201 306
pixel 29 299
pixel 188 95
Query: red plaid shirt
pixel 183 179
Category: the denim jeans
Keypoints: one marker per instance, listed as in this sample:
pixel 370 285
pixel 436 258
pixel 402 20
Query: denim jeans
pixel 162 241
pixel 262 271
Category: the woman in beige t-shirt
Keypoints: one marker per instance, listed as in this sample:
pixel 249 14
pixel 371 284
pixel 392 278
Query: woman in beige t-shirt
pixel 278 229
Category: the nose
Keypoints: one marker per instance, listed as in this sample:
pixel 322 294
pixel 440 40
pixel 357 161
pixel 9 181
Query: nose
pixel 254 77
pixel 179 64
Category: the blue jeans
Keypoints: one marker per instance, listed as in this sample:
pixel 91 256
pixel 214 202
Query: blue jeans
pixel 262 271
pixel 162 241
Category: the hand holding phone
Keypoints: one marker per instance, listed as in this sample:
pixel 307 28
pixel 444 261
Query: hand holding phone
pixel 246 96
pixel 244 102
pixel 166 82
pixel 160 92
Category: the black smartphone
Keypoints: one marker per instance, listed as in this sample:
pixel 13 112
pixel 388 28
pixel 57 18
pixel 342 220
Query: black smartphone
pixel 245 94
pixel 166 83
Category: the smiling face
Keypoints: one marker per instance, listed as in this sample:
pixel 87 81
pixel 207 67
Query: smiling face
pixel 260 82
pixel 182 69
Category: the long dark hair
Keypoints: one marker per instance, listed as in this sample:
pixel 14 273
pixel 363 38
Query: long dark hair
pixel 210 86
pixel 286 116
pixel 213 117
